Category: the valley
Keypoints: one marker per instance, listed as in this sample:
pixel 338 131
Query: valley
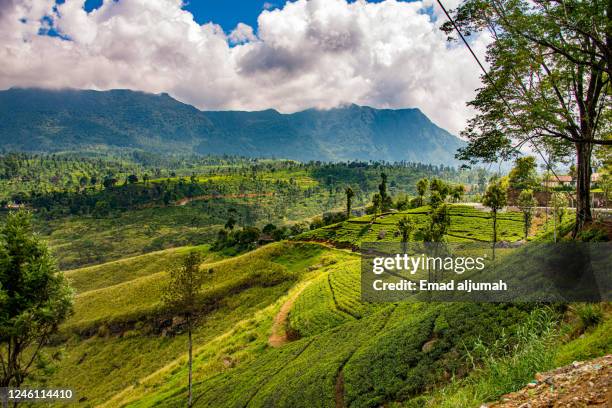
pixel 280 321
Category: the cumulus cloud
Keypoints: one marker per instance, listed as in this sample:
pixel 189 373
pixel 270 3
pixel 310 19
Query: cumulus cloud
pixel 242 33
pixel 309 53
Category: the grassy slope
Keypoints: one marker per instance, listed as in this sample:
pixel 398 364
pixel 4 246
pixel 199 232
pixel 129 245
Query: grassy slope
pixel 361 355
pixel 115 336
pixel 123 270
pixel 341 334
pixel 78 241
pixel 467 224
pixel 83 240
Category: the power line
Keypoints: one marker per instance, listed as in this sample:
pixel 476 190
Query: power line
pixel 488 77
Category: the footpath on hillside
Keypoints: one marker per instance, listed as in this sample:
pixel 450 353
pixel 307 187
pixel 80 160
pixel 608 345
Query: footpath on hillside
pixel 187 200
pixel 581 384
pixel 279 332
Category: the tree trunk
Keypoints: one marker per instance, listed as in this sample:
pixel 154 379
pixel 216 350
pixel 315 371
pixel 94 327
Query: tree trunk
pixel 348 208
pixel 494 231
pixel 190 360
pixel 555 224
pixel 583 186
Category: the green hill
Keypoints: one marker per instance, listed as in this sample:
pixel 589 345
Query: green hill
pixel 467 224
pixel 121 349
pixel 43 120
pixel 118 332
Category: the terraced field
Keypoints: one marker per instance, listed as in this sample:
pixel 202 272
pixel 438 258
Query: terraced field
pixel 467 224
pixel 113 319
pixel 342 352
pixel 349 353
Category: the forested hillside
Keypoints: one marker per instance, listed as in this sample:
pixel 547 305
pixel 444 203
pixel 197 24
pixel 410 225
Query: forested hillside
pixel 49 121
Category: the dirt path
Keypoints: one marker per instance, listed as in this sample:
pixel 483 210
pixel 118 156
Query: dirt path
pixel 339 390
pixel 581 384
pixel 187 200
pixel 279 334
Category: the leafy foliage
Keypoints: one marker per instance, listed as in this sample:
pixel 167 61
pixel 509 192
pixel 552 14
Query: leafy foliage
pixel 34 298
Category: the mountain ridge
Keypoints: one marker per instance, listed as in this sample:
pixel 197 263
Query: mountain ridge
pixel 41 120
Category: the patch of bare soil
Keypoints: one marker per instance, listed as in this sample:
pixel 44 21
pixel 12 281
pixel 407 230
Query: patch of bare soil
pixel 581 384
pixel 187 200
pixel 279 333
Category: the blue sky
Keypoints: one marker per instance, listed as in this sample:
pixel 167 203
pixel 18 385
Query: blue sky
pixel 226 13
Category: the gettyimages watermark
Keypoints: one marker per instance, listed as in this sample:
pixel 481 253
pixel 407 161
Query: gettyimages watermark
pixel 477 272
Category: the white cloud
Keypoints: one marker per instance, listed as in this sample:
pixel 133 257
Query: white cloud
pixel 316 53
pixel 242 33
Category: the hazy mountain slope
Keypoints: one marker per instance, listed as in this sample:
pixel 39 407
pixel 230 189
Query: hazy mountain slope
pixel 43 120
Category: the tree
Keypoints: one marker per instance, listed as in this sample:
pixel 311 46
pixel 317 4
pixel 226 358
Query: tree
pixel 435 200
pixel 457 192
pixel 132 179
pixel 421 186
pixel 248 237
pixel 385 199
pixel 269 229
pixel 230 224
pixel 83 182
pixel 527 203
pixel 233 216
pixel 405 226
pixel 523 175
pixel 297 229
pixel 440 187
pixel 439 222
pixel 349 200
pixel 558 202
pixel 109 182
pixel 376 205
pixel 548 81
pixel 34 298
pixel 180 295
pixel 495 198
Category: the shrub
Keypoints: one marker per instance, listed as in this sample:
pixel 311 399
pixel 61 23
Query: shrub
pixel 593 234
pixel 588 314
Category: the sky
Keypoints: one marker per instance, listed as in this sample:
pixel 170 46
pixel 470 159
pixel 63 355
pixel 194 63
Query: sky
pixel 245 54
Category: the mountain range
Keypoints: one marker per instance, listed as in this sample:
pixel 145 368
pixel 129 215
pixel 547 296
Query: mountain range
pixel 39 120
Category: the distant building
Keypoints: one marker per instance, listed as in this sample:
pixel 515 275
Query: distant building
pixel 566 180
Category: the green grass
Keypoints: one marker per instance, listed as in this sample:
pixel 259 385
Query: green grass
pixel 79 240
pixel 139 297
pixel 116 333
pixel 315 310
pixel 381 356
pixel 467 224
pixel 595 342
pixel 505 366
pixel 115 272
pixel 365 355
pixel 345 282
